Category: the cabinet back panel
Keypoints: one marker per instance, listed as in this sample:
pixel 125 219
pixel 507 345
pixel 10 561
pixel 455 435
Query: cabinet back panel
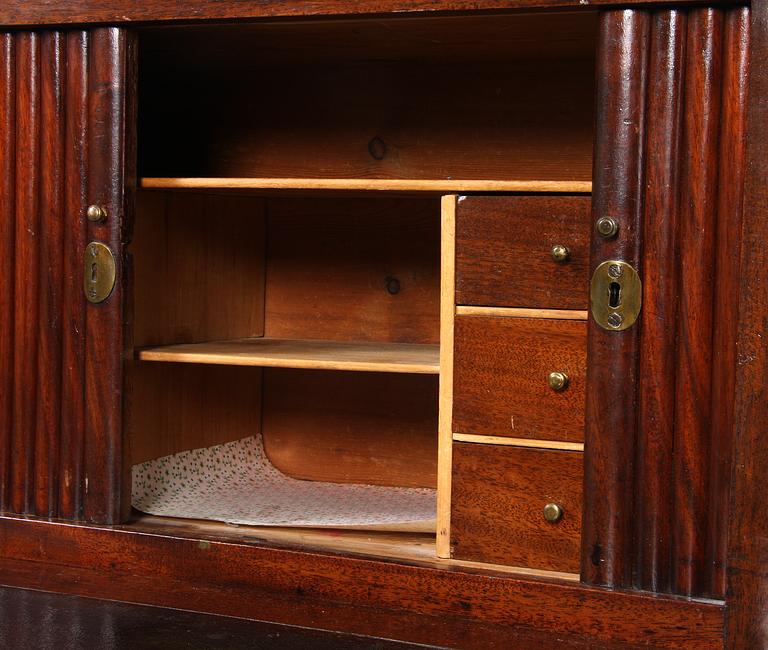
pixel 350 427
pixel 332 264
pixel 532 36
pixel 384 119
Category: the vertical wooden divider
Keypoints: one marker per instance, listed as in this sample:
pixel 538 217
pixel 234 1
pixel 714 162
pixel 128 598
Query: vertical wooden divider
pixel 445 418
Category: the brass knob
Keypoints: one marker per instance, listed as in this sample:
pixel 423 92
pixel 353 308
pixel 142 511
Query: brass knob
pixel 96 213
pixel 553 513
pixel 558 381
pixel 560 253
pixel 607 227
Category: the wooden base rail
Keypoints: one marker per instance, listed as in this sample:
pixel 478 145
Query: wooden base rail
pixel 327 591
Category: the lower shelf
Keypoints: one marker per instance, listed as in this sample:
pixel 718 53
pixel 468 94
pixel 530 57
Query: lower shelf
pixel 303 353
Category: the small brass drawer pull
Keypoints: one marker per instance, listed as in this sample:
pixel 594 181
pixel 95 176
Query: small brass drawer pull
pixel 560 253
pixel 553 513
pixel 558 381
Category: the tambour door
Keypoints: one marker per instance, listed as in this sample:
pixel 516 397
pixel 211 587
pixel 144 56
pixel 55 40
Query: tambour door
pixel 66 169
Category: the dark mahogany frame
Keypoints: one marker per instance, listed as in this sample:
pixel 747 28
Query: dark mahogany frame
pixel 426 602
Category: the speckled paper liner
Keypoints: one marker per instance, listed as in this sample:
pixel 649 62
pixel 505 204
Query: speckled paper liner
pixel 237 484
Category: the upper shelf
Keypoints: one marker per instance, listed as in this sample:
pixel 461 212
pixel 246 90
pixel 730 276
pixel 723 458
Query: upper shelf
pixel 367 185
pixel 302 353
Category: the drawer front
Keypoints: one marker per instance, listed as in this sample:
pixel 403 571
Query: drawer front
pixel 501 370
pixel 499 494
pixel 504 251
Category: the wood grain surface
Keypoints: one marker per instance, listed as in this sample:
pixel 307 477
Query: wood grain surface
pixel 397 185
pixel 111 181
pixel 353 270
pixel 685 175
pixel 177 407
pixel 374 428
pixel 500 377
pixel 730 215
pixel 497 505
pixel 445 405
pixel 73 306
pixel 656 398
pixel 611 418
pixel 303 353
pixel 290 586
pixel 199 268
pixel 26 12
pixel 7 259
pixel 701 120
pixel 370 119
pixel 504 251
pixel 747 596
pixel 65 96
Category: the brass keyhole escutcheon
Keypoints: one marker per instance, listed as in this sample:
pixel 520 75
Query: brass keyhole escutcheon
pixel 616 295
pixel 558 381
pixel 99 272
pixel 553 513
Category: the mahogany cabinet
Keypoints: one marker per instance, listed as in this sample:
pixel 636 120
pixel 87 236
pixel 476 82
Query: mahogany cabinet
pixel 449 314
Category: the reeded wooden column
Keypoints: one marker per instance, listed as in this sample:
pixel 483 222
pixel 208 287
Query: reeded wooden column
pixel 64 103
pixel 669 167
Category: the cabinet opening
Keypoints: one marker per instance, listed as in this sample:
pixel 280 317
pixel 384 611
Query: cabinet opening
pixel 486 97
pixel 286 360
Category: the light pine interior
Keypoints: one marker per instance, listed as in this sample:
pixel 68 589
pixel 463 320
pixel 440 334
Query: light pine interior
pixel 297 178
pixel 323 284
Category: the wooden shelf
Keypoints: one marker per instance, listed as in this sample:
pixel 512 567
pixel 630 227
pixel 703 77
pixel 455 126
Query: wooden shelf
pixel 298 353
pixel 366 185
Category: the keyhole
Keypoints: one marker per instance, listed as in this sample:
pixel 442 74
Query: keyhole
pixel 614 295
pixel 93 273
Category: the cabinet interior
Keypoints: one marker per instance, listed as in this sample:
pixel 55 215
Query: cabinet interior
pixel 310 315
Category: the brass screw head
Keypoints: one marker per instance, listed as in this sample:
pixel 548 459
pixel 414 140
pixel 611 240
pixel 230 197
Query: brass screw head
pixel 96 213
pixel 615 271
pixel 560 253
pixel 558 381
pixel 553 513
pixel 615 319
pixel 607 227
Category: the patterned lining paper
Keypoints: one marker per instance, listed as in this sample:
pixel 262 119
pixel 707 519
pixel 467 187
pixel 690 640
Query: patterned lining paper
pixel 237 484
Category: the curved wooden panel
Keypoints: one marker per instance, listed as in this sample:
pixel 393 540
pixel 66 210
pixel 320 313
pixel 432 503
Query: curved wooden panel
pixel 698 205
pixel 656 400
pixel 49 172
pixel 659 431
pixel 607 535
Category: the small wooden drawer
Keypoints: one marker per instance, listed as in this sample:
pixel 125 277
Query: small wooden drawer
pixel 504 251
pixel 501 370
pixel 499 494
